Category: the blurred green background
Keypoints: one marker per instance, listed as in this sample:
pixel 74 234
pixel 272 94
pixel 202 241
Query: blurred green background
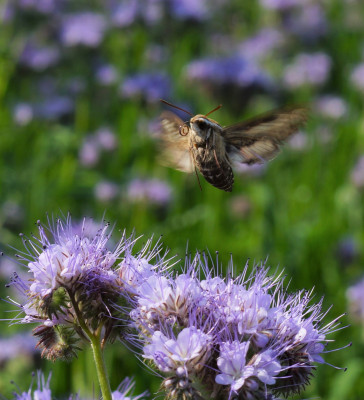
pixel 80 84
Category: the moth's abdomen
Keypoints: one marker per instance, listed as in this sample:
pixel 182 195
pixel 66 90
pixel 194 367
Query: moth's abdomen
pixel 217 173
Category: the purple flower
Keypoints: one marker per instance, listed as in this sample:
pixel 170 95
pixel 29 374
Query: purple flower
pixel 23 114
pixel 331 106
pixel 125 391
pixel 42 392
pixel 182 354
pixel 125 13
pixel 16 346
pixel 232 365
pixel 106 191
pixel 149 190
pixel 231 70
pixel 148 86
pixel 41 6
pixel 261 339
pixel 106 138
pixel 107 74
pixel 191 9
pixel 85 29
pixel 357 77
pixel 39 58
pixel 262 44
pixel 307 69
pixel 53 107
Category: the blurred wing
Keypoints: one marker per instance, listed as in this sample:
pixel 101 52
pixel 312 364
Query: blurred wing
pixel 174 147
pixel 259 139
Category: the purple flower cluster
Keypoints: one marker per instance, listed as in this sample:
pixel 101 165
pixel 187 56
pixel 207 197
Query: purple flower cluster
pixel 44 392
pixel 307 69
pixel 208 336
pixel 153 191
pixel 228 337
pixel 75 284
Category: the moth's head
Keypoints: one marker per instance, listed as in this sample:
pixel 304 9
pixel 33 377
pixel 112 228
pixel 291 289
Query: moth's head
pixel 202 124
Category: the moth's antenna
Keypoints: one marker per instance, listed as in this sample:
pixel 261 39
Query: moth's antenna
pixel 215 109
pixel 178 108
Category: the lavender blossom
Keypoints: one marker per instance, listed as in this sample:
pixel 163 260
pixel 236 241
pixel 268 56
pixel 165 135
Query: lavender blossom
pixel 148 86
pixel 331 106
pixel 107 74
pixel 229 70
pixel 39 58
pixel 226 337
pixel 307 69
pixel 106 191
pixel 154 191
pixel 85 29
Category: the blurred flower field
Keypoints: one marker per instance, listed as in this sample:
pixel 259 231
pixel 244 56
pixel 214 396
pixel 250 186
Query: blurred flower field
pixel 80 84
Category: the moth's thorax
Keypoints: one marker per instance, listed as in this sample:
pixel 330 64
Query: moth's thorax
pixel 204 127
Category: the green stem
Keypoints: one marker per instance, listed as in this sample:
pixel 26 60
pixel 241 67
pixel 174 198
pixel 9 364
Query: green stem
pixel 101 368
pixel 95 339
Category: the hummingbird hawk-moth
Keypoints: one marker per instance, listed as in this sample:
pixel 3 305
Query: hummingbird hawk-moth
pixel 203 144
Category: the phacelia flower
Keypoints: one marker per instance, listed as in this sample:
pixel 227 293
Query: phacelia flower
pixel 75 285
pixel 239 336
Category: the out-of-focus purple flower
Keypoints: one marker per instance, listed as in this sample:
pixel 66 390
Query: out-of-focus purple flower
pixel 23 114
pixel 38 57
pixel 357 77
pixel 190 9
pixel 357 173
pixel 16 346
pixel 85 29
pixel 125 391
pixel 262 44
pixel 89 153
pixel 331 106
pixel 7 11
pixel 299 141
pixel 41 6
pixel 230 70
pixel 106 191
pixel 125 13
pixel 149 190
pixel 149 86
pixel 307 69
pixel 309 22
pixel 107 74
pixel 355 296
pixel 53 107
pixel 42 392
pixel 106 139
pixel 282 4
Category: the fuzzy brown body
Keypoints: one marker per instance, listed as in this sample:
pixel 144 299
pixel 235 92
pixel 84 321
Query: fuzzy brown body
pixel 208 151
pixel 203 144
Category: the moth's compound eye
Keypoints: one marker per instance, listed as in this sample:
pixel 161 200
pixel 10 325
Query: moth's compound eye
pixel 183 130
pixel 200 124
